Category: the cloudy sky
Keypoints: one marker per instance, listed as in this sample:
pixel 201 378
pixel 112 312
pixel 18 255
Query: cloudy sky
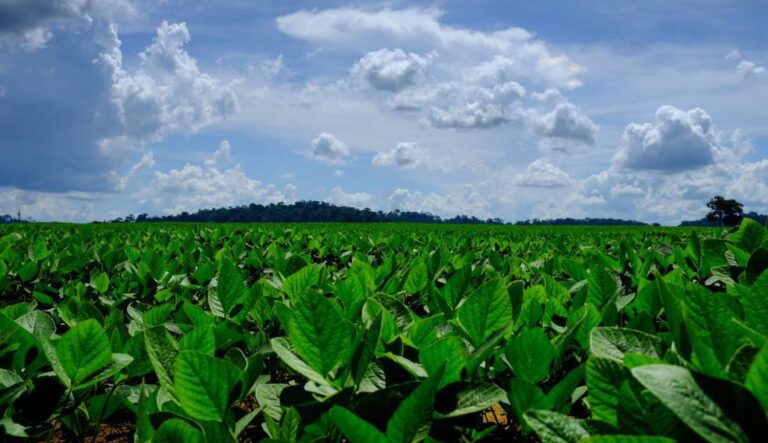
pixel 516 110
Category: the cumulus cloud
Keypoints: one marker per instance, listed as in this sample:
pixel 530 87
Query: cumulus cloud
pixel 329 149
pixel 565 122
pixel 354 199
pixel 168 92
pixel 391 70
pixel 746 69
pixel 49 206
pixel 101 114
pixel 194 187
pixel 542 174
pixel 480 108
pixel 677 140
pixel 407 155
pixel 467 200
pixel 220 156
pixel 749 70
pixel 521 54
pixel 29 24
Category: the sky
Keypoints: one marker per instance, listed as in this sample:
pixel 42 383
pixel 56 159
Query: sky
pixel 518 110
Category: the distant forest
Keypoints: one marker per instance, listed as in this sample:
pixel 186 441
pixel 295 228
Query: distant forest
pixel 316 211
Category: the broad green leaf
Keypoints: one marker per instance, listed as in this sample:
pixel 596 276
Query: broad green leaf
pixel 319 333
pixel 200 339
pixel 176 430
pixel 412 419
pixel 628 439
pixel 162 350
pixel 83 350
pixel 286 353
pixel 757 378
pixel 366 351
pixel 749 236
pixel 100 282
pixel 552 427
pixel 755 301
pixel 450 352
pixel 295 284
pixel 464 398
pixel 613 343
pixel 355 428
pixel 604 379
pixel 678 390
pixel 417 278
pixel 205 384
pixel 230 288
pixel 530 354
pixel 485 311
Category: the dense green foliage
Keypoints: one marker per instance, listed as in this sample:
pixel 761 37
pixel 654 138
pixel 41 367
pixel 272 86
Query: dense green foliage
pixel 390 332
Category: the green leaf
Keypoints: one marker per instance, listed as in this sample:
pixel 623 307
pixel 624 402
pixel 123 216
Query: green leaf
pixel 230 288
pixel 553 427
pixel 417 277
pixel 286 353
pixel 749 236
pixel 319 333
pixel 450 352
pixel 530 354
pixel 162 350
pixel 100 282
pixel 366 350
pixel 306 277
pixel 755 301
pixel 118 363
pixel 757 378
pixel 177 430
pixel 613 343
pixel 83 350
pixel 200 339
pixel 465 397
pixel 628 439
pixel 604 379
pixel 676 388
pixel 204 385
pixel 412 419
pixel 485 311
pixel 355 428
pixel 601 286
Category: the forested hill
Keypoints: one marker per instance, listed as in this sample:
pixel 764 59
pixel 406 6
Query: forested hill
pixel 304 211
pixel 315 211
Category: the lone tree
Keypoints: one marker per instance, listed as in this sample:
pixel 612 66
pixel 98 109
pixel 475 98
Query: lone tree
pixel 725 212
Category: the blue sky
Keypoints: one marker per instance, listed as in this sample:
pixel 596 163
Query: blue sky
pixel 543 109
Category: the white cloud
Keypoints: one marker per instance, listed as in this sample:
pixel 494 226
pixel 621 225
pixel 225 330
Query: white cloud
pixel 329 149
pixel 354 199
pixel 220 156
pixel 749 70
pixel 565 122
pixel 147 161
pixel 29 24
pixel 746 69
pixel 194 187
pixel 466 200
pixel 52 206
pixel 391 70
pixel 677 140
pixel 168 92
pixel 542 174
pixel 519 54
pixel 480 107
pixel 407 155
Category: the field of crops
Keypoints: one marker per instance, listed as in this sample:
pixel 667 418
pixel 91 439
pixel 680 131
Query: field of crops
pixel 376 333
